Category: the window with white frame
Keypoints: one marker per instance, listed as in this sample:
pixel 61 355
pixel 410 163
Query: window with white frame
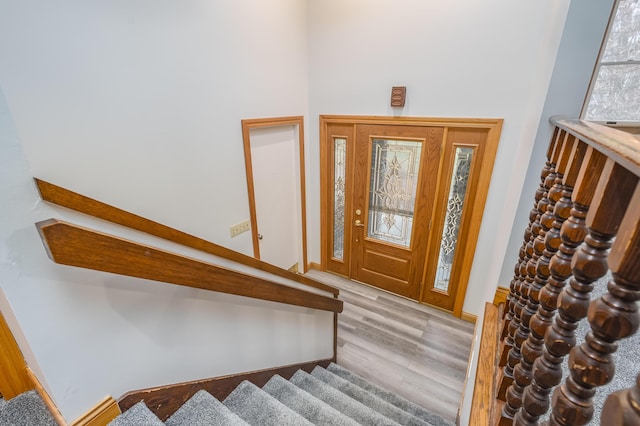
pixel 614 93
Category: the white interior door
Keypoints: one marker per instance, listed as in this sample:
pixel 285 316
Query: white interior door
pixel 277 194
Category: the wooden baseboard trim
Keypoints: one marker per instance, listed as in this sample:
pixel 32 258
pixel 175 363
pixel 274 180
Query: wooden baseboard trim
pixel 468 317
pixel 165 400
pixel 46 398
pixel 314 265
pixel 101 413
pixel 500 296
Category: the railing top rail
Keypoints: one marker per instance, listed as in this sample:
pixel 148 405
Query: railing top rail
pixel 78 202
pixel 622 147
pixel 73 245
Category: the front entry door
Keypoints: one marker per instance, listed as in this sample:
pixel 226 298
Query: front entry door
pixel 402 201
pixel 395 177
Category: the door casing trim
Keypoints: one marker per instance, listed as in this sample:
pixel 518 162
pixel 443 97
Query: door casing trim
pixel 261 123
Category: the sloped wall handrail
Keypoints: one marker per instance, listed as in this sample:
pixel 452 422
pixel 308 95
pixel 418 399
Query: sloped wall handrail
pixel 78 202
pixel 72 245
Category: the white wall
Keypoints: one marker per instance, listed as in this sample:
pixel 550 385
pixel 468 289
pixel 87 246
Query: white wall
pixel 93 334
pixel 138 103
pixel 583 33
pixel 460 58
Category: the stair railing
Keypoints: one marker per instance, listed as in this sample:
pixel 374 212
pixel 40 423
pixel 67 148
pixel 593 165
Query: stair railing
pixel 585 223
pixel 83 204
pixel 72 245
pixel 76 246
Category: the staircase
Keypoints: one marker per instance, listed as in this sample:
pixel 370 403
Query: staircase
pixel 331 396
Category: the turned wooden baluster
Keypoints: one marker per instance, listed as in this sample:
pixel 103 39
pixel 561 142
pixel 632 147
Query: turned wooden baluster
pixel 622 408
pixel 513 342
pixel 520 270
pixel 584 172
pixel 545 245
pixel 613 316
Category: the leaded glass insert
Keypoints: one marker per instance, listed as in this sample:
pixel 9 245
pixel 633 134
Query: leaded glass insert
pixel 455 206
pixel 392 190
pixel 339 172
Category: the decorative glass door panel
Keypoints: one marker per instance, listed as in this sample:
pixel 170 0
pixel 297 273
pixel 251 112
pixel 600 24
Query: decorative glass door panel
pixel 395 166
pixel 455 204
pixel 450 244
pixel 338 184
pixel 339 180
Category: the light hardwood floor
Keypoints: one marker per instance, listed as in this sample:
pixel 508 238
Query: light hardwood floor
pixel 417 351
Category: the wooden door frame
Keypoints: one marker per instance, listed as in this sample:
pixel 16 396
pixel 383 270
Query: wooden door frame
pixel 493 126
pixel 14 378
pixel 261 123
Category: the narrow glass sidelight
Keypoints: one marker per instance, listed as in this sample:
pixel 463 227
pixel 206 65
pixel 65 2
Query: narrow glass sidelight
pixel 339 176
pixel 455 206
pixel 392 190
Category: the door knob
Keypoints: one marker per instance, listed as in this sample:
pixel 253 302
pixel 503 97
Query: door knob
pixel 259 236
pixel 358 223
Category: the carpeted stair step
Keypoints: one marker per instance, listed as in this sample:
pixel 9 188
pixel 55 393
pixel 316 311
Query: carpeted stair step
pixel 138 415
pixel 2 403
pixel 258 408
pixel 390 397
pixel 202 409
pixel 305 404
pixel 367 398
pixel 347 406
pixel 26 409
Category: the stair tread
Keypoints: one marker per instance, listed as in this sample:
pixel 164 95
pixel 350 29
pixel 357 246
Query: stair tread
pixel 202 409
pixel 305 404
pixel 258 408
pixel 137 415
pixel 348 406
pixel 26 409
pixel 390 397
pixel 370 400
pixel 332 396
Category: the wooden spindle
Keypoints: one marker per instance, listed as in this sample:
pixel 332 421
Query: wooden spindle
pixel 614 315
pixel 520 270
pixel 545 246
pixel 517 335
pixel 622 408
pixel 569 167
pixel 584 172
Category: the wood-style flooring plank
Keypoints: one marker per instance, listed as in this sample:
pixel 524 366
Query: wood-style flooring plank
pixel 417 351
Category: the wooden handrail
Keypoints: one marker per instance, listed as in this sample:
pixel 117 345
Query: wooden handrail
pixel 73 245
pixel 72 200
pixel 622 147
